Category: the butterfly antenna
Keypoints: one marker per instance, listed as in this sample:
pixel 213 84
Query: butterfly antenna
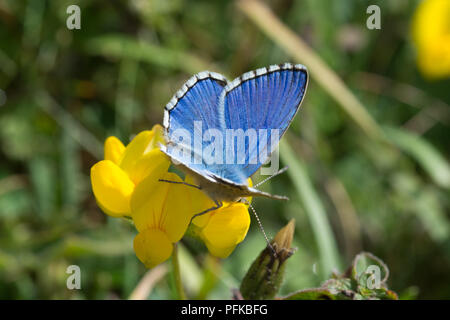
pixel 268 178
pixel 261 228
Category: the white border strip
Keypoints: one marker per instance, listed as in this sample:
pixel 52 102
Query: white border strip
pixel 190 83
pixel 260 72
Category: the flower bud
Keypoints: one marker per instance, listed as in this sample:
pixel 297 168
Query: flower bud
pixel 264 278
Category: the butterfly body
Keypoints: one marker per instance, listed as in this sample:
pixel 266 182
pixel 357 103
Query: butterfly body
pixel 259 104
pixel 222 190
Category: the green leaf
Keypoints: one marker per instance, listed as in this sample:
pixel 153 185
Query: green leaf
pixel 365 259
pixel 355 284
pixel 311 294
pixel 371 275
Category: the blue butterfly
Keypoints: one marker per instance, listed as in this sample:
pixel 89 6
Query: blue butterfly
pixel 265 100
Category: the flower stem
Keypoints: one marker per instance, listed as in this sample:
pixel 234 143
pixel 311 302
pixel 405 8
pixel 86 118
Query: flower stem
pixel 177 274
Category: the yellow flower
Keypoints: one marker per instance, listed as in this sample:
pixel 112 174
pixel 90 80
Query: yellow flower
pixel 161 212
pixel 127 183
pixel 115 178
pixel 431 35
pixel 223 229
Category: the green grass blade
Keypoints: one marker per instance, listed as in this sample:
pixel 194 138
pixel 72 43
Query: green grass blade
pixel 423 152
pixel 329 257
pixel 123 47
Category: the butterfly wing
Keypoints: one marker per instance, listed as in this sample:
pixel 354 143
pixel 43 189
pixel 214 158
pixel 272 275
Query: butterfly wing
pixel 267 99
pixel 192 109
pixel 264 99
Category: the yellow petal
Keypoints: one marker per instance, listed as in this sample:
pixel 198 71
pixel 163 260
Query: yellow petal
pixel 226 228
pixel 162 205
pixel 114 149
pixel 433 65
pixel 431 35
pixel 152 247
pixel 154 163
pixel 218 252
pixel 430 21
pixel 200 202
pixel 152 194
pixel 250 184
pixel 135 149
pixel 112 213
pixel 158 137
pixel 112 188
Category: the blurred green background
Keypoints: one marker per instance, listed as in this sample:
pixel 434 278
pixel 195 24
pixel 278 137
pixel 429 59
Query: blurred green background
pixel 62 92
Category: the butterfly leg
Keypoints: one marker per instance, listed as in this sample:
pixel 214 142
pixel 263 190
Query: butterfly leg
pixel 181 182
pixel 218 205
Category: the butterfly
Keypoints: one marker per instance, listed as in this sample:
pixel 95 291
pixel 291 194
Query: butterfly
pixel 260 101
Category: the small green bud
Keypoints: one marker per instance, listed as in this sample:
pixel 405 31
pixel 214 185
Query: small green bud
pixel 264 278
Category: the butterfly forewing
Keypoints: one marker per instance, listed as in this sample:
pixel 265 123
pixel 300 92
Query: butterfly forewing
pixel 263 102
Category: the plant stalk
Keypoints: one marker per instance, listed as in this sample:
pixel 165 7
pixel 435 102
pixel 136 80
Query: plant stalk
pixel 177 274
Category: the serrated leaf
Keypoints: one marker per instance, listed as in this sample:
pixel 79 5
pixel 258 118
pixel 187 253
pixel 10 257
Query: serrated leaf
pixel 355 284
